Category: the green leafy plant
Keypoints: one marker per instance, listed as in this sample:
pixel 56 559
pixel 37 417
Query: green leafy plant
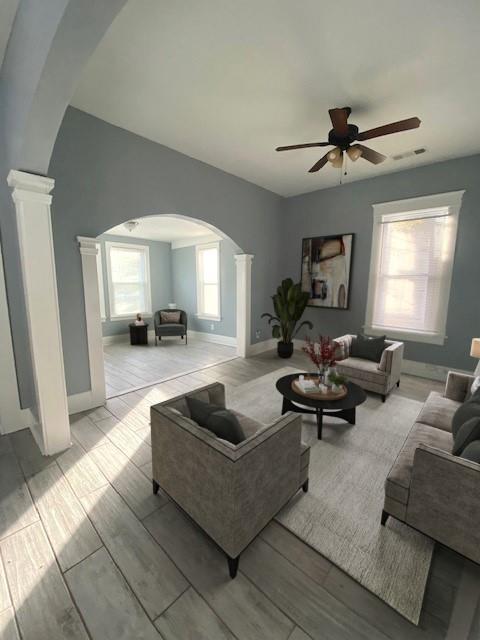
pixel 289 304
pixel 337 378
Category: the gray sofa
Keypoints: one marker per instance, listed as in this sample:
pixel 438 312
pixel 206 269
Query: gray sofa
pixel 164 329
pixel 379 377
pixel 231 491
pixel 430 489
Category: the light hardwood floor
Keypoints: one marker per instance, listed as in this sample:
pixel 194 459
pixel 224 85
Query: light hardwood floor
pixel 130 367
pixel 88 552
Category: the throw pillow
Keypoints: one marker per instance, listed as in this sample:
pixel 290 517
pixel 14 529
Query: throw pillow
pixel 221 422
pixel 224 424
pixel 200 410
pixel 472 452
pixel 367 348
pixel 170 317
pixel 468 432
pixel 469 409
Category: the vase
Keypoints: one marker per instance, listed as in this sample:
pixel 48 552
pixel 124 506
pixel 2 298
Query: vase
pixel 284 349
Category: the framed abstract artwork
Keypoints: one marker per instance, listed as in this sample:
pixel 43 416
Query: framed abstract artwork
pixel 326 266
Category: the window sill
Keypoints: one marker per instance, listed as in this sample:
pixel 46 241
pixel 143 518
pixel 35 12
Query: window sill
pixel 200 316
pixel 409 336
pixel 129 317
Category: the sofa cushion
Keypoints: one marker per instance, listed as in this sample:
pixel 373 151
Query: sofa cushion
pixel 171 329
pixel 367 348
pixel 438 411
pixel 249 426
pixel 398 481
pixel 472 452
pixel 361 369
pixel 468 432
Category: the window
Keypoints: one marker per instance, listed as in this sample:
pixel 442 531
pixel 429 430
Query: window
pixel 208 281
pixel 101 290
pixel 411 267
pixel 128 279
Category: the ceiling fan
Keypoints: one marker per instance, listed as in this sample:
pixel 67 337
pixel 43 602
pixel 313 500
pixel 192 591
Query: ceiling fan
pixel 343 135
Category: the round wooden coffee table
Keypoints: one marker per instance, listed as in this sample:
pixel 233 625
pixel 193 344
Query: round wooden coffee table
pixel 343 408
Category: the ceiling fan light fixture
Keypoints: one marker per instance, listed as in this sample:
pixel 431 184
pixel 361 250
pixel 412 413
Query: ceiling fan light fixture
pixel 338 161
pixel 354 153
pixel 334 155
pixel 130 225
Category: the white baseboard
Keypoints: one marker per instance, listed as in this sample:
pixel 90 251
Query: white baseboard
pixel 228 341
pixel 427 370
pixel 261 347
pixel 199 335
pixel 83 402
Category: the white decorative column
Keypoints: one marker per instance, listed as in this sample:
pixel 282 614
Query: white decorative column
pixel 243 262
pixel 31 195
pixel 89 248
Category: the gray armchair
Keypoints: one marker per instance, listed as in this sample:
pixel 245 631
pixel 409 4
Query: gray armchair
pixel 231 491
pixel 378 377
pixel 163 329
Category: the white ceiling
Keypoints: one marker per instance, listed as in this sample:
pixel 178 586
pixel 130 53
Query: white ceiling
pixel 179 231
pixel 226 81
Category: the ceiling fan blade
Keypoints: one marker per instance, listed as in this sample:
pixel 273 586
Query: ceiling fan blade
pixel 339 120
pixel 303 146
pixel 318 165
pixel 369 154
pixel 393 127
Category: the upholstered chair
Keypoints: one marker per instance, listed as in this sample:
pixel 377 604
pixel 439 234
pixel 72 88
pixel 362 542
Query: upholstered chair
pixel 167 328
pixel 231 491
pixel 379 377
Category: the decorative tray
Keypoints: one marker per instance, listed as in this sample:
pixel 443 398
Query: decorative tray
pixel 319 395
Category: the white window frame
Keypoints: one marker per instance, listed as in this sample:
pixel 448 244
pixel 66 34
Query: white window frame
pixel 451 200
pixel 101 288
pixel 138 247
pixel 200 314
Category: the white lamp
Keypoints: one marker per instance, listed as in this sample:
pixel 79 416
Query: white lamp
pixel 475 353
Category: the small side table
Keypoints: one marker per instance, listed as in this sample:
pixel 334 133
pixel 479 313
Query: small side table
pixel 138 333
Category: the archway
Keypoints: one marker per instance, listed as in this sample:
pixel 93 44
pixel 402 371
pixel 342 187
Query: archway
pixel 89 249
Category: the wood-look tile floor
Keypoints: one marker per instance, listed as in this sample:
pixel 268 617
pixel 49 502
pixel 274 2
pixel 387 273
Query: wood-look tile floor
pixel 88 552
pixel 129 367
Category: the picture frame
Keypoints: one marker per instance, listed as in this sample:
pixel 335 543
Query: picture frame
pixel 326 268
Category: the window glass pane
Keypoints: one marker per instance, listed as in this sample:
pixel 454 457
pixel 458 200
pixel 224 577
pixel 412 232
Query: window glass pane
pixel 210 299
pixel 127 265
pixel 209 264
pixel 129 299
pixel 413 260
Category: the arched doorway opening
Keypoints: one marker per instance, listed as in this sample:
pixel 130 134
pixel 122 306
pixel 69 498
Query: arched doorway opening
pixel 174 240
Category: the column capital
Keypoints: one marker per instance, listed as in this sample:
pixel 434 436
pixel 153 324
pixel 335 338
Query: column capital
pixel 243 257
pixel 28 187
pixel 88 246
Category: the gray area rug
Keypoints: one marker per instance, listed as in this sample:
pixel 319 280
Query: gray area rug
pixel 340 515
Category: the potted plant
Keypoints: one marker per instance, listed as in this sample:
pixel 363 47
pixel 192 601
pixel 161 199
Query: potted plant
pixel 289 304
pixel 337 381
pixel 323 355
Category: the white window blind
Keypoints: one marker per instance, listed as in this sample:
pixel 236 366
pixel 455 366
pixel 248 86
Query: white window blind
pixel 412 259
pixel 208 281
pixel 128 279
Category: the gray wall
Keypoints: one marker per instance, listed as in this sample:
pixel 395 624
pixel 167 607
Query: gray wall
pixel 106 175
pixel 348 209
pixel 184 289
pixel 160 279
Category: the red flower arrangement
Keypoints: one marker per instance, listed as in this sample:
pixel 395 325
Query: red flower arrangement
pixel 321 353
